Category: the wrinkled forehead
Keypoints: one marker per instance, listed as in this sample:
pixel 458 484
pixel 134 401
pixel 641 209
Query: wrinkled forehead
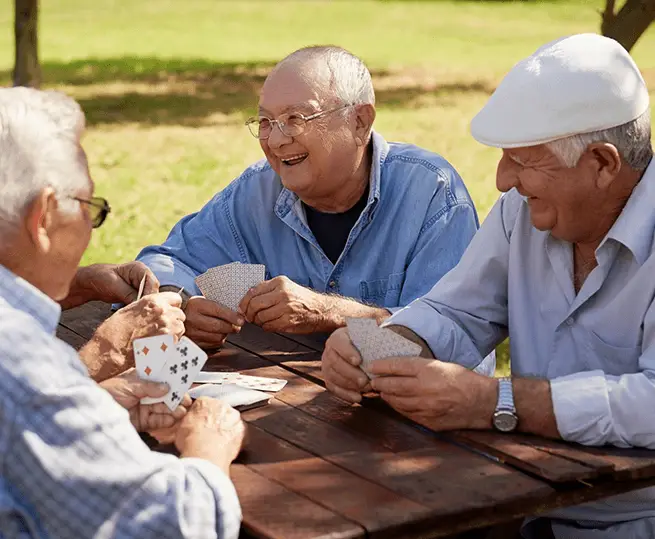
pixel 299 86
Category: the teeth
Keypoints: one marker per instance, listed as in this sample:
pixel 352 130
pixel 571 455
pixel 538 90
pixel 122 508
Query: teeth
pixel 293 157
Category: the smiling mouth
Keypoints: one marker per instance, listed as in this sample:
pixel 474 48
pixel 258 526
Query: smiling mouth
pixel 294 159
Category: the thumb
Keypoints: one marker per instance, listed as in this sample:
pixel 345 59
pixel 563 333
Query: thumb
pixel 146 388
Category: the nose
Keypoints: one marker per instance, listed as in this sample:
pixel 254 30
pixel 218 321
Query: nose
pixel 506 174
pixel 277 139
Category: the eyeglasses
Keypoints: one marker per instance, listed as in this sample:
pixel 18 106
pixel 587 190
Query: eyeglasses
pixel 291 125
pixel 98 209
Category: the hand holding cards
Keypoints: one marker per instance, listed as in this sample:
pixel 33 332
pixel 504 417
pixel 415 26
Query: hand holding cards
pixel 373 342
pixel 159 359
pixel 229 283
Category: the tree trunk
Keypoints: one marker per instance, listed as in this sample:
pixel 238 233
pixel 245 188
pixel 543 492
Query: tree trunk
pixel 629 23
pixel 27 71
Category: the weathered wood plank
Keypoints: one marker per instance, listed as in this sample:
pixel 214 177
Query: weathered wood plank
pixel 85 319
pixel 281 350
pixel 270 511
pixel 70 337
pixel 376 508
pixel 547 465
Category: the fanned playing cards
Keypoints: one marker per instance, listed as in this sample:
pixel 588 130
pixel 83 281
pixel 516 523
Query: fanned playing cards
pixel 159 359
pixel 373 342
pixel 229 283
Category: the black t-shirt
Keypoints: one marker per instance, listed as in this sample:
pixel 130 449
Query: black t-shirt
pixel 331 230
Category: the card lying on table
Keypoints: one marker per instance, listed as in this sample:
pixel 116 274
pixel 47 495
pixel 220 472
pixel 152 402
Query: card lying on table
pixel 373 342
pixel 229 283
pixel 237 397
pixel 243 380
pixel 159 359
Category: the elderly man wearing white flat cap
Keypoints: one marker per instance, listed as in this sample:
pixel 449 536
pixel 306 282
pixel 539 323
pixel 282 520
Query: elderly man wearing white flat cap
pixel 564 264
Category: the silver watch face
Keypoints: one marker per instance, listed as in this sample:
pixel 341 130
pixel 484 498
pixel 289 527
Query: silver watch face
pixel 505 421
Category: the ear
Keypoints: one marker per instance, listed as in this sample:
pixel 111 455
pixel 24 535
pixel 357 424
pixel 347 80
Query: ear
pixel 606 160
pixel 364 118
pixel 40 219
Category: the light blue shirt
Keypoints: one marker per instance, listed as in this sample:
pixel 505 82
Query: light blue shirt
pixel 418 220
pixel 71 463
pixel 597 347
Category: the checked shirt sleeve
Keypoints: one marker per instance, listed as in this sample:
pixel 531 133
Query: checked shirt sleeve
pixel 74 459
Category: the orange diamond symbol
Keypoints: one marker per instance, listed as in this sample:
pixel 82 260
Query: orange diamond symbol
pixel 163 347
pixel 148 371
pixel 145 351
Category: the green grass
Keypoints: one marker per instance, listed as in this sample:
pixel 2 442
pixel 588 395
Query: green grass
pixel 166 85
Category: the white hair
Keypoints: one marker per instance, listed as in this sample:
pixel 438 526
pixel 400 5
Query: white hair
pixel 632 141
pixel 349 77
pixel 39 147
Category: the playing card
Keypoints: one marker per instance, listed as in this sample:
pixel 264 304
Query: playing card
pixel 242 380
pixel 232 394
pixel 151 354
pixel 141 286
pixel 374 342
pixel 183 364
pixel 229 283
pixel 181 371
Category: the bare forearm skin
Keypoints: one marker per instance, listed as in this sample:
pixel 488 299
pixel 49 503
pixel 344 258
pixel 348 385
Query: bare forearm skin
pixel 532 398
pixel 337 308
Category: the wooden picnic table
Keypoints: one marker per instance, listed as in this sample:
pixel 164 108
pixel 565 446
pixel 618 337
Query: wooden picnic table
pixel 317 467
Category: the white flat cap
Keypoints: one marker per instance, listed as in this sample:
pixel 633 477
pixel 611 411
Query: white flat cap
pixel 574 85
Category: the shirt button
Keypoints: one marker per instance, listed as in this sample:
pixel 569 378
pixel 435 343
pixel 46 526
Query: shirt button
pixel 570 321
pixel 332 284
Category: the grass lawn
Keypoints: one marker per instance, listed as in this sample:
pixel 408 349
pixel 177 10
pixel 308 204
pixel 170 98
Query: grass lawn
pixel 166 85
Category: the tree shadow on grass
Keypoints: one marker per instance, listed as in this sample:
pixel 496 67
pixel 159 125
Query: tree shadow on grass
pixel 194 92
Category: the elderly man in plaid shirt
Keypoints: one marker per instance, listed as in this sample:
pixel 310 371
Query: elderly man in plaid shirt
pixel 72 462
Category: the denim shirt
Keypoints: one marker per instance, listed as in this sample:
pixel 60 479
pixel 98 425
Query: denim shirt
pixel 418 220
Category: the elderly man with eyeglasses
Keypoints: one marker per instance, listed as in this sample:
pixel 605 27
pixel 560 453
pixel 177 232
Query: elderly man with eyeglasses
pixel 72 462
pixel 347 224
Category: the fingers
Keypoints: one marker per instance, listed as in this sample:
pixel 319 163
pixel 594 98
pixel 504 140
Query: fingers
pixel 155 422
pixel 262 296
pixel 344 394
pixel 396 385
pixel 146 388
pixel 340 343
pixel 202 306
pixel 171 298
pixel 399 366
pixel 342 373
pixel 406 405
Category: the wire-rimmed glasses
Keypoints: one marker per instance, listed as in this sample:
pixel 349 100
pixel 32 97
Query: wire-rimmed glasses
pixel 290 124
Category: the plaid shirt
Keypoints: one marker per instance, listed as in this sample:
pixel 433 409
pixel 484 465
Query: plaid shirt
pixel 72 464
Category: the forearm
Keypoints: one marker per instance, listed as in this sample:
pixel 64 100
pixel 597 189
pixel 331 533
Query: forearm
pixel 210 448
pixel 102 359
pixel 337 308
pixel 534 407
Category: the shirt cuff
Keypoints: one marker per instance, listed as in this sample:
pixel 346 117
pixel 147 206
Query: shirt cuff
pixel 582 407
pixel 229 508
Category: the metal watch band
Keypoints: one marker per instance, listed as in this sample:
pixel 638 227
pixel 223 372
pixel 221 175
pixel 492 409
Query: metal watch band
pixel 505 395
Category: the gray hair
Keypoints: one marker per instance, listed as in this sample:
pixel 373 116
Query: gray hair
pixel 39 147
pixel 349 77
pixel 632 141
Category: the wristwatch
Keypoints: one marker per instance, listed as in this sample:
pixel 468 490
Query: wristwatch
pixel 505 418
